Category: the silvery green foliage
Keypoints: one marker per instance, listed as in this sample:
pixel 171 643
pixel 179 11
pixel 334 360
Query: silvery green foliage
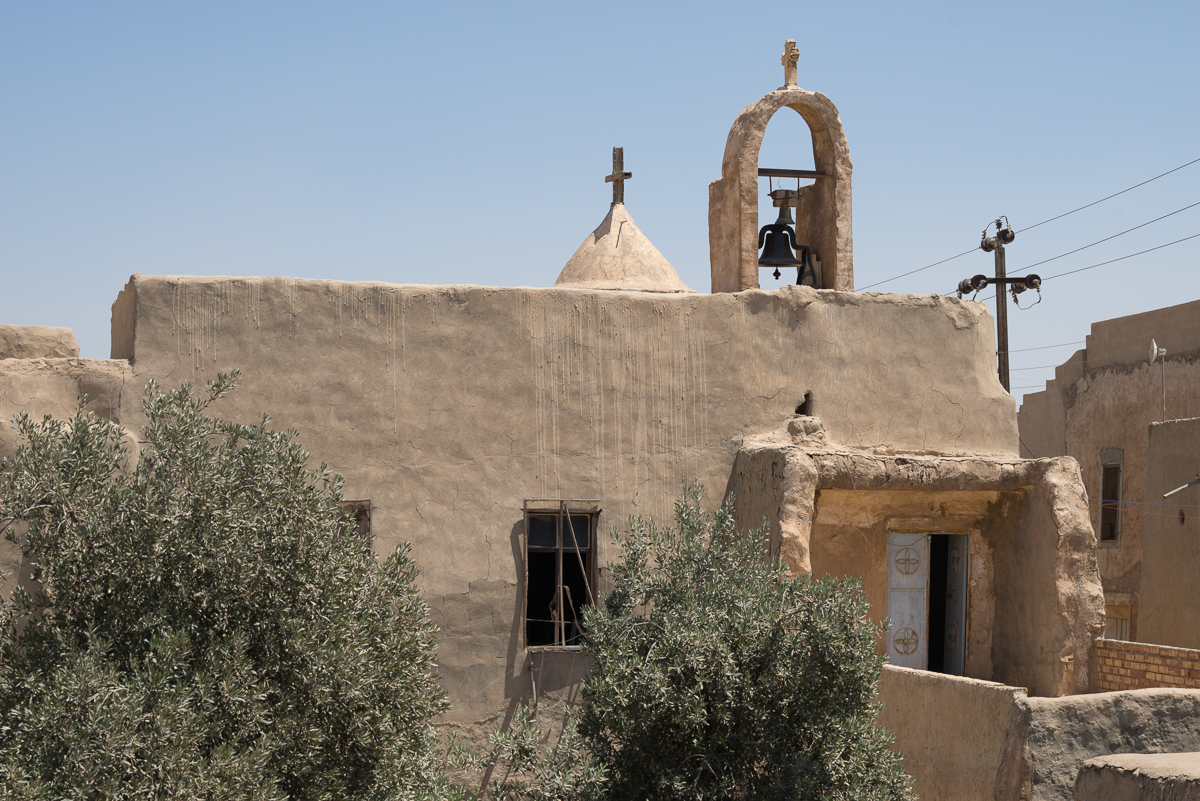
pixel 209 626
pixel 538 771
pixel 716 676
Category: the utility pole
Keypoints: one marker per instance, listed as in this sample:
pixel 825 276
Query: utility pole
pixel 1001 307
pixel 1004 236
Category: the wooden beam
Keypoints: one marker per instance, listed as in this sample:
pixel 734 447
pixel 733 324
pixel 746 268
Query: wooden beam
pixel 764 172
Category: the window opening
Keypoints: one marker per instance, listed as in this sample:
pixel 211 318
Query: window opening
pixel 1110 501
pixel 560 566
pixel 1116 623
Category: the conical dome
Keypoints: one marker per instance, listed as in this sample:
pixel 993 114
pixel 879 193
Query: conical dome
pixel 619 256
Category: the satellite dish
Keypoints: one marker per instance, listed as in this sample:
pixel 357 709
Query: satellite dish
pixel 1156 351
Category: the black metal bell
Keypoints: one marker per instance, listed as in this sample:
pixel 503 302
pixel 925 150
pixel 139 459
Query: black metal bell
pixel 777 250
pixel 777 241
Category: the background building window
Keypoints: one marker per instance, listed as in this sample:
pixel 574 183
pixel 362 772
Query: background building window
pixel 1116 623
pixel 1110 494
pixel 559 569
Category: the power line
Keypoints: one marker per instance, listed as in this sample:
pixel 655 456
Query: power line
pixel 1031 227
pixel 1137 349
pixel 1105 504
pixel 912 272
pixel 1099 365
pixel 1098 264
pixel 1110 197
pixel 1122 258
pixel 1044 347
pixel 1147 503
pixel 1114 236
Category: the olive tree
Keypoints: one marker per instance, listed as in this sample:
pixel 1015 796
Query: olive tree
pixel 205 624
pixel 718 675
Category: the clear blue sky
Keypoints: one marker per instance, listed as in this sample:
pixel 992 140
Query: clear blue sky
pixel 467 142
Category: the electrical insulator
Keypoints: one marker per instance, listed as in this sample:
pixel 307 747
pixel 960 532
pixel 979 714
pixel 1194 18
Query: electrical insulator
pixel 972 284
pixel 988 244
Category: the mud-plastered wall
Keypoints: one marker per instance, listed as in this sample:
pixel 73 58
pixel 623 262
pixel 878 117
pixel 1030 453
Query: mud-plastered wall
pixel 1034 603
pixel 1098 408
pixel 448 407
pixel 1049 604
pixel 53 386
pixel 1170 608
pixel 960 737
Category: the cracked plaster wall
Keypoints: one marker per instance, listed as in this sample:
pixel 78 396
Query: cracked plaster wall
pixel 37 342
pixel 449 406
pixel 1035 603
pixel 1049 603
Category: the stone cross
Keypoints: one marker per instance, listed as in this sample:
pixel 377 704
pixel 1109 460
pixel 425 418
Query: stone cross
pixel 619 176
pixel 790 56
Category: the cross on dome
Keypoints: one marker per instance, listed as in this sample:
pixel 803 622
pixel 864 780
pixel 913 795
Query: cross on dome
pixel 619 176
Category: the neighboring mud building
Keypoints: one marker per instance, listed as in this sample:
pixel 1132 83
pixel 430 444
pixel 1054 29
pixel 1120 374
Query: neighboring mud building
pixel 503 431
pixel 1129 422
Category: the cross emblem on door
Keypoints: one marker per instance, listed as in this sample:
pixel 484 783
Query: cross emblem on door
pixel 907 561
pixel 905 641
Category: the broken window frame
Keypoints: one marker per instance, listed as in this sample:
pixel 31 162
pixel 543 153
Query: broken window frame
pixel 563 510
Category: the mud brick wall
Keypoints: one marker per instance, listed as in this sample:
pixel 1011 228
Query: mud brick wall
pixel 1136 665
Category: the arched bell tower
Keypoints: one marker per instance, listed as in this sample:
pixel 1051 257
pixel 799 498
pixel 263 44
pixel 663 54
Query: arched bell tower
pixel 823 219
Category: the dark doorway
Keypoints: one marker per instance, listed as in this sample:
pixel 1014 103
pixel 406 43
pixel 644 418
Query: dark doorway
pixel 938 552
pixel 947 603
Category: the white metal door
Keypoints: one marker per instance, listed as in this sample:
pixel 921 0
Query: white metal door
pixel 908 600
pixel 956 604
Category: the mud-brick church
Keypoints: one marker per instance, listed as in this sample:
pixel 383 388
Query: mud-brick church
pixel 503 431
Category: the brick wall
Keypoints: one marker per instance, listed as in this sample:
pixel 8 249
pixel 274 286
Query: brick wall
pixel 1137 665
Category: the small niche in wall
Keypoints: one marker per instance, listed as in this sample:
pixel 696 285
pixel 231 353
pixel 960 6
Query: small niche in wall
pixel 360 513
pixel 806 408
